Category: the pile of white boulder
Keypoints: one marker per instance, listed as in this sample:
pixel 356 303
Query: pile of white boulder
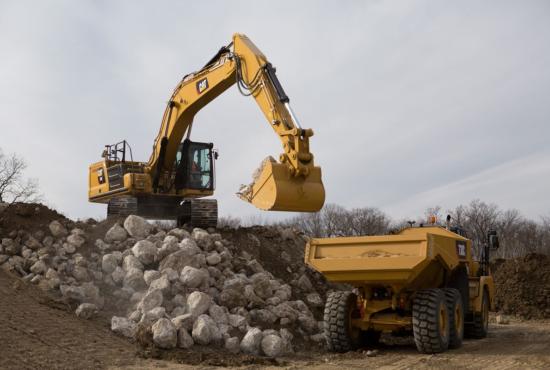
pixel 183 288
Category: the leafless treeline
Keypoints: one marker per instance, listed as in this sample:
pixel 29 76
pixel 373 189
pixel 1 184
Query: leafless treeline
pixel 518 234
pixel 14 187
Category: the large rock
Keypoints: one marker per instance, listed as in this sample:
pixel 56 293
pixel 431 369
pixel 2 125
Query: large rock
pixel 131 261
pixel 76 240
pixel 150 275
pixel 162 284
pixel 192 277
pixel 134 279
pixel 198 303
pixel 218 314
pixel 39 267
pixel 33 244
pixel 284 310
pixel 137 227
pixel 205 331
pixel 232 294
pixel 145 252
pixel 236 321
pixel 164 334
pixel 57 229
pixel 109 263
pixel 304 283
pixel 118 275
pixel 262 285
pixel 179 233
pixel 272 345
pixel 251 341
pixel 213 258
pixel 232 344
pixel 150 300
pixel 184 321
pixel 308 324
pixel 184 339
pixel 178 260
pixel 86 310
pixel 284 292
pixel 153 315
pixel 123 326
pixel 314 299
pixel 86 293
pixel 11 247
pixel 252 297
pixel 203 239
pixel 116 234
pixel 262 317
pixel 80 273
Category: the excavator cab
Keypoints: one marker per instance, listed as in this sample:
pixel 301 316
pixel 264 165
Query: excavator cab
pixel 195 166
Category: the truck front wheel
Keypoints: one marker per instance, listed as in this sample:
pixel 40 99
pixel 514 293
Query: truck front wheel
pixel 340 310
pixel 431 321
pixel 480 326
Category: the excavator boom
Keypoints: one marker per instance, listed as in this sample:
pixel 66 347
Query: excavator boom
pixel 294 184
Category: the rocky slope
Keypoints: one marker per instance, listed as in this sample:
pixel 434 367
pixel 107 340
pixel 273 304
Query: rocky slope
pixel 176 288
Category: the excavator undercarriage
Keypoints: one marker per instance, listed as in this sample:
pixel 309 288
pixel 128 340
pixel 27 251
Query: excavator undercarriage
pixel 197 212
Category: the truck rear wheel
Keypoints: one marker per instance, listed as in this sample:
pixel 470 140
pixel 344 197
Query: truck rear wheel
pixel 480 326
pixel 456 317
pixel 430 321
pixel 340 310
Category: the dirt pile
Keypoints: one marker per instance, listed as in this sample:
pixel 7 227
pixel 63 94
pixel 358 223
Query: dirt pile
pixel 244 291
pixel 523 286
pixel 30 217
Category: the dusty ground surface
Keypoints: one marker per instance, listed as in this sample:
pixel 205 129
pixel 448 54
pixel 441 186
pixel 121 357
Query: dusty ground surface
pixel 518 345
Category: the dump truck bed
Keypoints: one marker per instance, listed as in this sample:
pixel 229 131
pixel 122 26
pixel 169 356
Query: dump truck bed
pixel 389 259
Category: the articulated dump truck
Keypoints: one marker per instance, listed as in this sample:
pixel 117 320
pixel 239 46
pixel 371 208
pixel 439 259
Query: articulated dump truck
pixel 422 280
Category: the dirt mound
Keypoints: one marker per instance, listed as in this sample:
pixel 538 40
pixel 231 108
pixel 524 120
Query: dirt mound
pixel 31 217
pixel 523 286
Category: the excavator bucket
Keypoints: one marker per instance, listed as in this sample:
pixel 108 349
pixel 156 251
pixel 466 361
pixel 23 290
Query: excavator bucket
pixel 275 189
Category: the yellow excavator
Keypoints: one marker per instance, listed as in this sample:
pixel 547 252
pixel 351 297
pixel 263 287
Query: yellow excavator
pixel 180 172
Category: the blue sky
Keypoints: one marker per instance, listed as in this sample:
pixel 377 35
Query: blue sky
pixel 413 104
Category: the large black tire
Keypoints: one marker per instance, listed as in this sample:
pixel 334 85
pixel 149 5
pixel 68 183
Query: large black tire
pixel 459 281
pixel 480 326
pixel 456 317
pixel 340 309
pixel 431 321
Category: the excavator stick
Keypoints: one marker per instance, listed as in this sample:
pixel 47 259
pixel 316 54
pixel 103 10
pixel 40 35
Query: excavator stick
pixel 275 189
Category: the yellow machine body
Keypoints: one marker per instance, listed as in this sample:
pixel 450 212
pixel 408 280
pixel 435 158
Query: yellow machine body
pixel 401 264
pixel 291 184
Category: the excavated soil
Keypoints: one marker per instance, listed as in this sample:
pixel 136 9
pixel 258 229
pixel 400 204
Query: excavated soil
pixel 523 286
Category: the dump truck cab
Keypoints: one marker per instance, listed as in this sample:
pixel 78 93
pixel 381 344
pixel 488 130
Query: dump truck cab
pixel 399 279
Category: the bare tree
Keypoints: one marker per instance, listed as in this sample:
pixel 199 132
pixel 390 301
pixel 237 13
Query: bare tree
pixel 368 221
pixel 335 220
pixel 477 219
pixel 14 187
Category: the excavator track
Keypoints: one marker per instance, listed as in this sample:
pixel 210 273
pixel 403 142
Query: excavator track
pixel 122 206
pixel 199 213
